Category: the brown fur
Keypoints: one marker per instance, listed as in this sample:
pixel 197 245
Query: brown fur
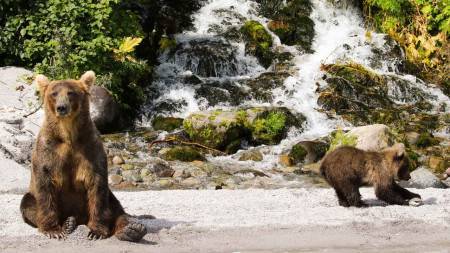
pixel 69 169
pixel 348 168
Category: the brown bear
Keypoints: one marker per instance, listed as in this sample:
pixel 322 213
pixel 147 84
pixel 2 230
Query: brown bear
pixel 69 181
pixel 348 168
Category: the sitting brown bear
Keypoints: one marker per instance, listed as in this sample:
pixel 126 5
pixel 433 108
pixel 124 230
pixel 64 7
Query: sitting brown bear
pixel 348 168
pixel 69 182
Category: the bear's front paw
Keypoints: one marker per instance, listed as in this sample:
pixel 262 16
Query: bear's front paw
pixel 98 232
pixel 56 233
pixel 415 202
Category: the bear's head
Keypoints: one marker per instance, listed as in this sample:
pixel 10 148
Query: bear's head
pixel 65 98
pixel 398 161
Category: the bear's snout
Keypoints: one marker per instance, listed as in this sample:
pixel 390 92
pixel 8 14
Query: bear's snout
pixel 62 110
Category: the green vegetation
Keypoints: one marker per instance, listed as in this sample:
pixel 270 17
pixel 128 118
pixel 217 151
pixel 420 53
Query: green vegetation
pixel 166 123
pixel 298 154
pixel 118 39
pixel 421 27
pixel 184 154
pixel 258 41
pixel 339 138
pixel 269 128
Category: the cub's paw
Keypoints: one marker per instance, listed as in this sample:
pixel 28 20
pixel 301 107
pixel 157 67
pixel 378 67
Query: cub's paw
pixel 132 232
pixel 415 202
pixel 69 225
pixel 57 233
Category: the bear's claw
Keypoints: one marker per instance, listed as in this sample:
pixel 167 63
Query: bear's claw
pixel 69 225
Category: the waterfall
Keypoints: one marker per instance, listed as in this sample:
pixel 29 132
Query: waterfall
pixel 203 56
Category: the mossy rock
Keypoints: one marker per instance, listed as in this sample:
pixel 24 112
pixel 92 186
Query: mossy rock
pixel 293 25
pixel 307 152
pixel 184 154
pixel 258 42
pixel 225 130
pixel 426 140
pixel 167 123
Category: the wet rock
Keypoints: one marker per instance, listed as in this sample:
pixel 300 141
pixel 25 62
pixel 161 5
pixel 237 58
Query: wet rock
pixel 183 153
pixel 262 86
pixel 307 152
pixel 285 160
pixel 422 178
pixel 293 25
pixel 105 111
pixel 437 164
pixel 251 155
pixel 258 42
pixel 250 172
pixel 167 123
pixel 191 182
pixel 222 92
pixel 132 176
pixel 207 58
pixel 373 137
pixel 225 130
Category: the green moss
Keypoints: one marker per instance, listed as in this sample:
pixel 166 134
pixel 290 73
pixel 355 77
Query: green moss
pixel 184 154
pixel 258 41
pixel 426 140
pixel 267 129
pixel 298 154
pixel 166 123
pixel 339 138
pixel 413 159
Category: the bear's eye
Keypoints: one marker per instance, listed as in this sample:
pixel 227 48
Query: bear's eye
pixel 54 94
pixel 71 93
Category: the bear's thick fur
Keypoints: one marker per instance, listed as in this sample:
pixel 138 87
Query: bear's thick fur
pixel 348 168
pixel 69 182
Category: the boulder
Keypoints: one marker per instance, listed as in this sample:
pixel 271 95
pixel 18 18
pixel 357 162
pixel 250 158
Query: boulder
pixel 105 111
pixel 293 25
pixel 307 152
pixel 251 155
pixel 258 42
pixel 182 153
pixel 373 137
pixel 159 167
pixel 225 130
pixel 423 178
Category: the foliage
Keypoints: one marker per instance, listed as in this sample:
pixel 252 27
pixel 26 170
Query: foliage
pixel 340 138
pixel 421 27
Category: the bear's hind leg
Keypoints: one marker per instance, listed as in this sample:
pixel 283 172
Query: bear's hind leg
pixel 341 198
pixel 28 209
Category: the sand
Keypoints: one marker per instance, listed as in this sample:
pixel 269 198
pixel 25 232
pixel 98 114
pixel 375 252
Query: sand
pixel 300 220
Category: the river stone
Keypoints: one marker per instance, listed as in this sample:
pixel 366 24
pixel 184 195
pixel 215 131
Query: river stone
pixel 191 182
pixel 115 179
pixel 159 167
pixel 372 137
pixel 251 155
pixel 307 152
pixel 117 160
pixel 423 178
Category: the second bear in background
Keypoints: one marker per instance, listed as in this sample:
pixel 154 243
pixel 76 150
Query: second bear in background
pixel 348 168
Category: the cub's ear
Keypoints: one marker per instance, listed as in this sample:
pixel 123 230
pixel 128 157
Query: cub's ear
pixel 42 84
pixel 400 150
pixel 88 79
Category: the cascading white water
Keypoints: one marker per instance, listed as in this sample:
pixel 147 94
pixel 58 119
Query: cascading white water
pixel 340 37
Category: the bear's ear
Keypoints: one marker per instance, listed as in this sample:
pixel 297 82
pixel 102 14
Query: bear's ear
pixel 88 79
pixel 399 150
pixel 42 83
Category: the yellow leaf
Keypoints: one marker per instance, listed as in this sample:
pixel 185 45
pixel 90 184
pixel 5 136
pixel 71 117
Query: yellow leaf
pixel 129 44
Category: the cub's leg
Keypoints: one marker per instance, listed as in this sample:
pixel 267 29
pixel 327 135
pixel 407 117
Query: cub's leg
pixel 404 192
pixel 124 229
pixel 351 193
pixel 388 193
pixel 29 214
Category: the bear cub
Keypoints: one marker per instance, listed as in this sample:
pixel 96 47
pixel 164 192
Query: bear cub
pixel 69 180
pixel 348 168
